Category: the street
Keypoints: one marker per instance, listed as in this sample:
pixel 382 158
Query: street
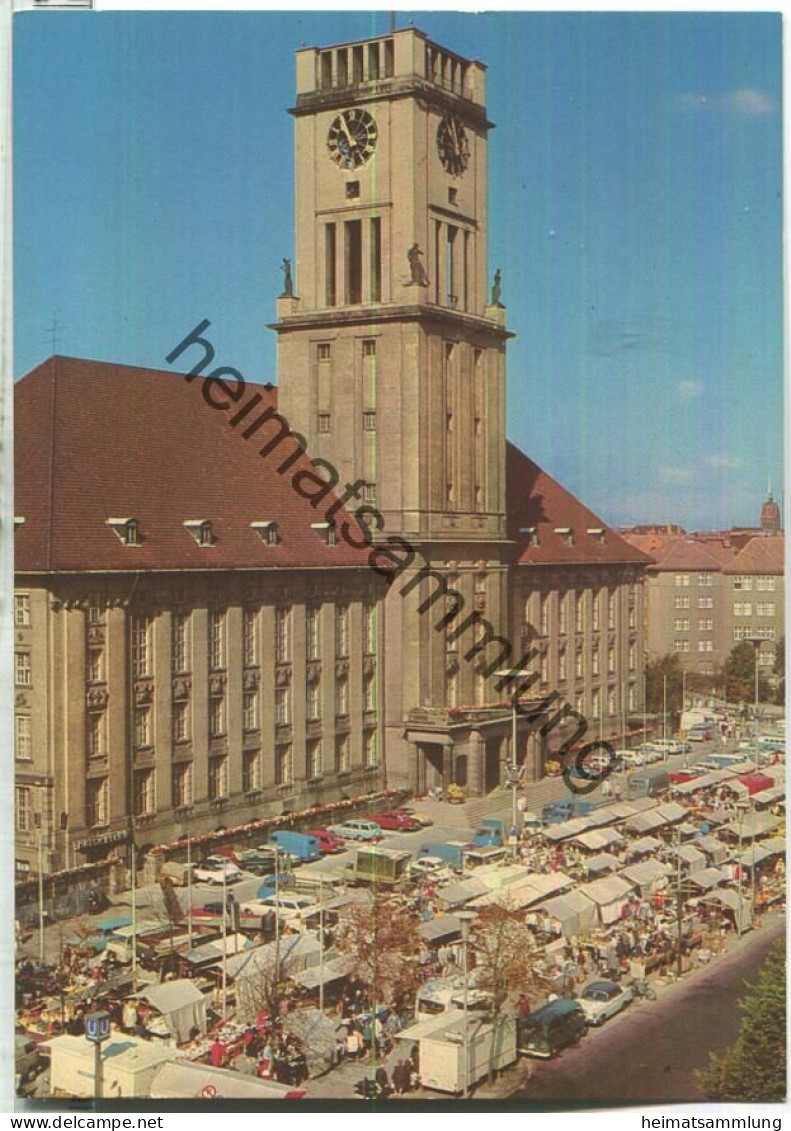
pixel 651 1052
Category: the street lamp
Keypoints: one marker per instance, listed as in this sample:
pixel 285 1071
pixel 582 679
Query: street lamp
pixel 743 805
pixel 466 918
pixel 756 643
pixel 507 676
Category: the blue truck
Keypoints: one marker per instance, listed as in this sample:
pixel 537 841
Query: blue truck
pixel 452 853
pixel 490 832
pixel 299 846
pixel 557 812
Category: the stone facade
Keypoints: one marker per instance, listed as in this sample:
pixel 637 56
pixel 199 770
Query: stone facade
pixel 191 704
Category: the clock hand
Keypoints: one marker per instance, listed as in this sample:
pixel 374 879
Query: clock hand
pixel 349 137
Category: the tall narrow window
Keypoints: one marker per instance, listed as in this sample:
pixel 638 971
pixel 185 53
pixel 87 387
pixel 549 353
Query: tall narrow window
pixel 342 63
pixel 141 646
pixel 218 778
pixel 452 297
pixel 357 64
pixel 330 297
pixel 466 273
pixel 342 630
pixel 376 260
pixel 251 771
pixel 326 70
pixel 373 60
pixel 312 632
pixel 283 635
pixel 22 610
pixel 23 745
pixel 250 641
pixel 142 726
pixel 182 785
pixel 216 716
pixel 369 629
pixel 354 261
pixel 437 245
pixel 216 639
pixel 250 710
pixel 180 721
pixel 389 59
pixel 179 636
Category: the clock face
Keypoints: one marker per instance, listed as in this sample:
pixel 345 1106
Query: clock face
pixel 454 150
pixel 352 138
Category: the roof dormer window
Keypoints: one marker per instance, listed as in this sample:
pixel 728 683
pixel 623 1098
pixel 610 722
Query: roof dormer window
pixel 597 533
pixel 18 520
pixel 201 531
pixel 126 529
pixel 325 531
pixel 566 534
pixel 531 533
pixel 266 531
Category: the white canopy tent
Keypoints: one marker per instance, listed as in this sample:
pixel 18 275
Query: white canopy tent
pixel 181 1006
pixel 648 875
pixel 574 911
pixel 609 894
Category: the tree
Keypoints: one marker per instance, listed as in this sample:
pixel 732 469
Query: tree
pixel 505 957
pixel 381 938
pixel 779 671
pixel 754 1068
pixel 739 673
pixel 665 668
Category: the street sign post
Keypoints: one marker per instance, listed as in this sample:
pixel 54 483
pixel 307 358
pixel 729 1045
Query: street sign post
pixel 97 1029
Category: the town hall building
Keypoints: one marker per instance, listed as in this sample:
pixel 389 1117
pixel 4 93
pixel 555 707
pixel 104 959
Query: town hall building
pixel 198 642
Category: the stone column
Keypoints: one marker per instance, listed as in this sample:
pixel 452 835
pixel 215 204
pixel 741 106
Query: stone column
pixel 475 764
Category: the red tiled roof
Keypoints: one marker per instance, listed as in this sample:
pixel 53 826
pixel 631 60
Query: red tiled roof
pixel 683 554
pixel 97 440
pixel 535 499
pixel 764 554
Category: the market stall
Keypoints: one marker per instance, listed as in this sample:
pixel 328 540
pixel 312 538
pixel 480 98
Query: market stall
pixel 179 1008
pixel 609 894
pixel 575 914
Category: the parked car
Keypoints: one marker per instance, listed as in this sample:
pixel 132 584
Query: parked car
pixel 430 868
pixel 259 861
pixel 394 821
pixel 301 847
pixel 328 842
pixel 424 821
pixel 210 871
pixel 630 759
pixel 700 734
pixel 553 1027
pixel 283 904
pixel 604 999
pixel 29 1060
pixel 357 830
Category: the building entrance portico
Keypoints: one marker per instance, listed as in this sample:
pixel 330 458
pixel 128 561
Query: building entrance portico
pixel 454 747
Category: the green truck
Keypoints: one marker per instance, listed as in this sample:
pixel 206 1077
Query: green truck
pixel 381 867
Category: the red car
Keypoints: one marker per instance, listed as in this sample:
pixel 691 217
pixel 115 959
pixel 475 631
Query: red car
pixel 396 822
pixel 328 842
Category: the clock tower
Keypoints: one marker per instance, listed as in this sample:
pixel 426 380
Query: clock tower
pixel 391 356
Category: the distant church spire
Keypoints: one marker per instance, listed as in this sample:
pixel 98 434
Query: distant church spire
pixel 770 513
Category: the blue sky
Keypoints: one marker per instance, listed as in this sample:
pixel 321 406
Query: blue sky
pixel 635 213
